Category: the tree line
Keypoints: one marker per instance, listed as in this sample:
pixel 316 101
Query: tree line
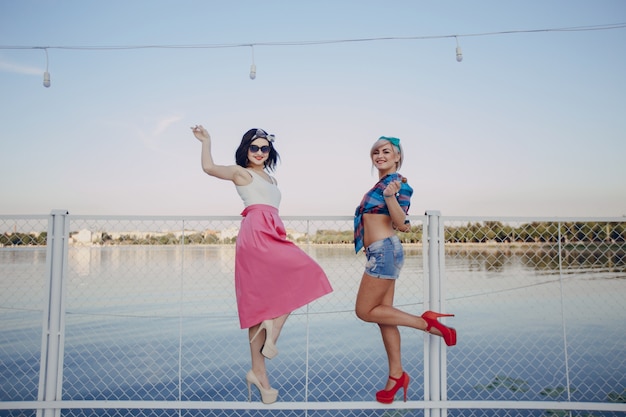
pixel 478 232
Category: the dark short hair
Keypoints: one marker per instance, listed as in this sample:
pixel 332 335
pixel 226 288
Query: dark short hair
pixel 241 154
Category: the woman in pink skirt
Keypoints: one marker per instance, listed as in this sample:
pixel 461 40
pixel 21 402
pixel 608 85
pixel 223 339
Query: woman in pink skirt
pixel 273 277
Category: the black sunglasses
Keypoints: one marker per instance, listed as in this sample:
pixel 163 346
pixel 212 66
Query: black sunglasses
pixel 256 148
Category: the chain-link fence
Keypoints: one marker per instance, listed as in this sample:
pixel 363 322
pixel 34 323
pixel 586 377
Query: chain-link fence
pixel 148 322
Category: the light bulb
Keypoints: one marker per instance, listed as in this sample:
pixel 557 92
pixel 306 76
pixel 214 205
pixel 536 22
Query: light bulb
pixel 252 72
pixel 46 75
pixel 459 53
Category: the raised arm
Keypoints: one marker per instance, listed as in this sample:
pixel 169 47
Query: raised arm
pixel 233 173
pixel 395 211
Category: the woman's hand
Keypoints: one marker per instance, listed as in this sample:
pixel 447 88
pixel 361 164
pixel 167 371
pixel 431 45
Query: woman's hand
pixel 200 133
pixel 392 189
pixel 398 216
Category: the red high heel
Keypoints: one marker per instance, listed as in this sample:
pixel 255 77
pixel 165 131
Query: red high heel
pixel 448 333
pixel 387 396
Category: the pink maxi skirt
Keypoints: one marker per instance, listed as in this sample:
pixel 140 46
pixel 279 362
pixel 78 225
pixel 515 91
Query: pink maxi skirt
pixel 273 276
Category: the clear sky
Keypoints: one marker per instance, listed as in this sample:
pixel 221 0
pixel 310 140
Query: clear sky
pixel 528 124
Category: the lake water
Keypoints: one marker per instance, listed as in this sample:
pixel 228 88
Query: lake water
pixel 160 323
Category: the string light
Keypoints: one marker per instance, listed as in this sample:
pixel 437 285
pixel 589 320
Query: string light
pixel 459 53
pixel 322 42
pixel 46 75
pixel 253 66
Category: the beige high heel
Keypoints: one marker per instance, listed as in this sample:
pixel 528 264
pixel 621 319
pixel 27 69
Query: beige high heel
pixel 268 396
pixel 269 349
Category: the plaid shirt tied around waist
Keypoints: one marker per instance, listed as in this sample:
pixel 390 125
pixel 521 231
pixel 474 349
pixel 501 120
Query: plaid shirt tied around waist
pixel 374 202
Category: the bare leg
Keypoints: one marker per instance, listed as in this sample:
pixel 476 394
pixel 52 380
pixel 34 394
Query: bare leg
pixel 372 307
pixel 375 293
pixel 258 360
pixel 391 340
pixel 279 322
pixel 374 303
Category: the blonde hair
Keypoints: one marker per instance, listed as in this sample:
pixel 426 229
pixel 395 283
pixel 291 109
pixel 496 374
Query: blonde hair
pixel 397 148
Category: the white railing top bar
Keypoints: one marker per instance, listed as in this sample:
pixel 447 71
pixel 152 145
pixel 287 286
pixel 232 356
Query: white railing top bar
pixel 300 405
pixel 315 217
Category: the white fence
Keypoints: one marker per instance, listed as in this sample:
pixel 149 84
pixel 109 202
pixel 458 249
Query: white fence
pixel 136 316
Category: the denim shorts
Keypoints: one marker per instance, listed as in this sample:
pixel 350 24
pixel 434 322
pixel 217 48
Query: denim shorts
pixel 384 258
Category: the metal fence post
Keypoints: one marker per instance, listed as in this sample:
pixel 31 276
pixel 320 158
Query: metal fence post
pixel 434 355
pixel 53 334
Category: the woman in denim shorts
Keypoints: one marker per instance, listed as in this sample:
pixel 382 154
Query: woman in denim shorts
pixel 382 211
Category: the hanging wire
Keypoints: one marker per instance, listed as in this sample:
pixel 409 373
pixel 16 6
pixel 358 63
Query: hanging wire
pixel 459 54
pixel 608 26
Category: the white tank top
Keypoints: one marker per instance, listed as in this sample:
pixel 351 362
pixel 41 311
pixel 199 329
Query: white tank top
pixel 259 191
